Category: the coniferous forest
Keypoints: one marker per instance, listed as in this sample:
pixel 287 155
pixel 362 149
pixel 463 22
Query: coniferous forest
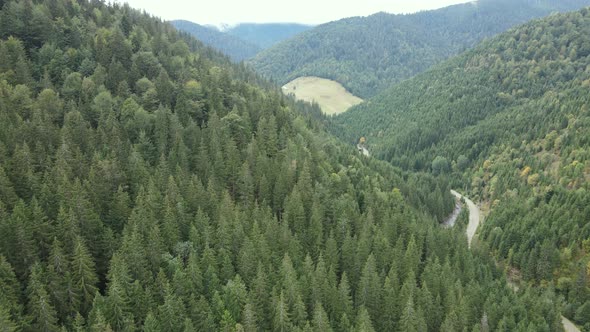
pixel 508 121
pixel 147 183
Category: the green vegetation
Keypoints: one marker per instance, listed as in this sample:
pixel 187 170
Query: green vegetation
pixel 369 54
pixel 236 48
pixel 510 120
pixel 266 35
pixel 147 184
pixel 243 41
pixel 329 95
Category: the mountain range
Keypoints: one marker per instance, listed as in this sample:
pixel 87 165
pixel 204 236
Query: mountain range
pixel 369 54
pixel 242 41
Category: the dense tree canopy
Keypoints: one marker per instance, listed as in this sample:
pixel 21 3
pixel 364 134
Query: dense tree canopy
pixel 148 184
pixel 509 120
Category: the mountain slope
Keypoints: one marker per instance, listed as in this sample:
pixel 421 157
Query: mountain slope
pixel 369 54
pixel 266 35
pixel 236 48
pixel 146 183
pixel 510 121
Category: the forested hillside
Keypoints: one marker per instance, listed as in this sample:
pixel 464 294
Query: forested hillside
pixel 510 120
pixel 369 54
pixel 237 49
pixel 242 41
pixel 266 35
pixel 148 184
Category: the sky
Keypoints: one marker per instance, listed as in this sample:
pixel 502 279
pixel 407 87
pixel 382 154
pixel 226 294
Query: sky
pixel 218 12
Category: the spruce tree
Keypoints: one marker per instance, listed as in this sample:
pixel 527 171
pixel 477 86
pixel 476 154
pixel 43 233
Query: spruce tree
pixel 363 321
pixel 40 308
pixel 84 278
pixel 320 321
pixel 281 321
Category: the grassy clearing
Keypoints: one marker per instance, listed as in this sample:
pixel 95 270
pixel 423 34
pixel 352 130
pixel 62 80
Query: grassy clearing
pixel 332 97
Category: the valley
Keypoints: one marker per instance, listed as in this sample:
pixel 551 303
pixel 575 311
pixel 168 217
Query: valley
pixel 486 120
pixel 474 221
pixel 158 174
pixel 370 54
pixel 329 95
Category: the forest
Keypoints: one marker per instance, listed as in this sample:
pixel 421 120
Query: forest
pixel 266 35
pixel 242 41
pixel 149 184
pixel 509 122
pixel 369 54
pixel 234 47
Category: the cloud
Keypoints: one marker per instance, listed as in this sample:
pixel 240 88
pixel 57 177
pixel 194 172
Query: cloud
pixel 265 11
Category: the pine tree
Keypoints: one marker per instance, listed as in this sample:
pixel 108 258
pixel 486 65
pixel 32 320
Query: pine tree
pixel 369 289
pixel 151 324
pixel 331 252
pixel 117 303
pixel 59 280
pixel 84 276
pixel 42 228
pixel 249 318
pixel 431 308
pixel 19 232
pixel 409 318
pixel 450 323
pixel 411 260
pixel 228 323
pixel 344 303
pixel 259 295
pixel 43 314
pixel 281 321
pixel 188 325
pixel 299 310
pixel 10 299
pixel 171 313
pixel 195 275
pixel 315 232
pixel 320 320
pixel 391 312
pixel 6 322
pixel 235 297
pixel 202 315
pixel 363 321
pixel 7 194
pixel 295 212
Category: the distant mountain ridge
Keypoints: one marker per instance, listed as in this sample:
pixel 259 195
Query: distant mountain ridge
pixel 369 54
pixel 234 47
pixel 242 41
pixel 266 35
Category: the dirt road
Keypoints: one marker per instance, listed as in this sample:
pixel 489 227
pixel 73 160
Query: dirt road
pixel 474 216
pixel 474 220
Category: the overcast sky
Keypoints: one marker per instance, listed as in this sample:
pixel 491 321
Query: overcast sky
pixel 267 11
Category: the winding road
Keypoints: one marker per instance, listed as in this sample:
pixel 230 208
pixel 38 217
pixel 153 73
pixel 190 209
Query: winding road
pixel 569 326
pixel 474 220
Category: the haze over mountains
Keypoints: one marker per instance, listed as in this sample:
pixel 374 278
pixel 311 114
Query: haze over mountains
pixel 148 183
pixel 242 41
pixel 368 54
pixel 236 48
